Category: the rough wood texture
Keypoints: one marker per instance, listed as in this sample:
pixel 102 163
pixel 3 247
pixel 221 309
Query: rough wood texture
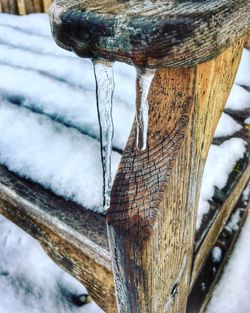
pixel 154 198
pixel 22 7
pixel 247 45
pixel 74 237
pixel 212 268
pixel 9 6
pixel 219 200
pixel 149 33
pixel 46 5
pixel 218 225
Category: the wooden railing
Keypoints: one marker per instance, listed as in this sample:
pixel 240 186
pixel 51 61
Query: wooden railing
pixel 151 223
pixel 22 7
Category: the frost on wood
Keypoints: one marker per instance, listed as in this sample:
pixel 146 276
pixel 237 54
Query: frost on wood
pixel 143 82
pixel 104 98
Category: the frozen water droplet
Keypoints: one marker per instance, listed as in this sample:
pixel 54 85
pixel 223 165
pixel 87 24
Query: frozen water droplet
pixel 104 97
pixel 144 79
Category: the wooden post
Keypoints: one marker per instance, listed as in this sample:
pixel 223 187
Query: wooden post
pixel 153 211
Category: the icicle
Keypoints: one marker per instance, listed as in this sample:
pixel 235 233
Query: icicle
pixel 143 82
pixel 104 94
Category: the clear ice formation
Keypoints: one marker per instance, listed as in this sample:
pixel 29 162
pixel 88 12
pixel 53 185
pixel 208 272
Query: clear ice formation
pixel 144 79
pixel 104 97
pixel 104 94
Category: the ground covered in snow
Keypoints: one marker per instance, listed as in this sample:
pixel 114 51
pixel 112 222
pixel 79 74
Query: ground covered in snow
pixel 49 133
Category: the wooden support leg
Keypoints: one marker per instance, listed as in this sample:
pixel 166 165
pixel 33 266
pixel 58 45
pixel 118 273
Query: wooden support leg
pixel 153 211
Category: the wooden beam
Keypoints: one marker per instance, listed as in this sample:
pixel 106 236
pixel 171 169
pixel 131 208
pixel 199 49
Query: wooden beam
pixel 212 268
pixel 46 5
pixel 9 6
pixel 75 238
pixel 21 7
pixel 151 34
pixel 154 199
pixel 218 225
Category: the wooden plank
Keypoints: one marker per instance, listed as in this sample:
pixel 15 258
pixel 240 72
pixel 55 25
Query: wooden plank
pixel 21 7
pixel 155 194
pixel 33 6
pixel 218 200
pixel 218 224
pixel 46 5
pixel 75 238
pixel 9 6
pixel 212 268
pixel 150 33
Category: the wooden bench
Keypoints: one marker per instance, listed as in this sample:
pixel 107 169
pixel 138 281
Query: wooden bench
pixel 156 261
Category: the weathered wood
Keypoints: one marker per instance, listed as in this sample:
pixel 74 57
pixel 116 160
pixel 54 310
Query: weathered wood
pixel 75 238
pixel 215 206
pixel 218 225
pixel 9 6
pixel 46 5
pixel 33 6
pixel 247 44
pixel 212 268
pixel 149 33
pixel 21 7
pixel 154 198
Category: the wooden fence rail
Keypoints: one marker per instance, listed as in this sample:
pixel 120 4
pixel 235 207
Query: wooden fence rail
pixel 23 7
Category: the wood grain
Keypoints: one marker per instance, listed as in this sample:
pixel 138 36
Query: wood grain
pixel 154 198
pixel 212 269
pixel 75 238
pixel 46 5
pixel 218 225
pixel 9 6
pixel 149 33
pixel 247 45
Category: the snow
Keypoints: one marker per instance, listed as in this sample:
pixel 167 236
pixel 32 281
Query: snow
pixel 58 157
pixel 221 159
pixel 227 126
pixel 239 98
pixel 232 292
pixel 29 281
pixel 61 152
pixel 243 77
pixel 216 254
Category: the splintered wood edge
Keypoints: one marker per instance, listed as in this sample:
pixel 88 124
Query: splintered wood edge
pixel 213 233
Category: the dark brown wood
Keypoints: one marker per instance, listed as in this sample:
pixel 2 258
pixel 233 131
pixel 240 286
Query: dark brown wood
pixel 212 268
pixel 9 6
pixel 75 238
pixel 154 198
pixel 149 33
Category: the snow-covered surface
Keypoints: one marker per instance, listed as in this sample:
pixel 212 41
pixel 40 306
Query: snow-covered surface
pixel 38 77
pixel 232 292
pixel 227 126
pixel 29 281
pixel 221 160
pixel 52 154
